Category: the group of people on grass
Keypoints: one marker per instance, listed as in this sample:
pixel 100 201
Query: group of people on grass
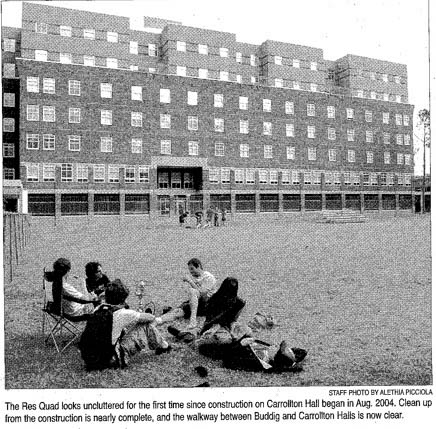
pixel 211 217
pixel 128 331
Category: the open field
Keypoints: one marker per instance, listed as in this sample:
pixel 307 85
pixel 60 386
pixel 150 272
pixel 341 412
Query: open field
pixel 356 296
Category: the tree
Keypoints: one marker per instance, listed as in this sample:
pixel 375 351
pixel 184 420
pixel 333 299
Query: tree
pixel 424 121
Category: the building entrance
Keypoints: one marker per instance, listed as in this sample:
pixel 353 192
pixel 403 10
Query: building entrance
pixel 164 205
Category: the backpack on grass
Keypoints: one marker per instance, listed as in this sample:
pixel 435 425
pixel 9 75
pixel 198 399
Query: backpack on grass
pixel 95 344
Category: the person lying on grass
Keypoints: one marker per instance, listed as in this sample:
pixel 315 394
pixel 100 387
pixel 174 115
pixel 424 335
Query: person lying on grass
pixel 201 287
pixel 223 337
pixel 114 333
pixel 76 305
pixel 96 281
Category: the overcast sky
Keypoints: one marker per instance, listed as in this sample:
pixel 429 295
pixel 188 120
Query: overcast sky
pixel 393 30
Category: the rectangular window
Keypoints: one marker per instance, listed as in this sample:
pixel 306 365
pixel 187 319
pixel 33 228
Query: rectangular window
pixel 313 66
pixel 219 125
pixel 400 158
pixel 296 63
pixel 165 96
pixel 74 143
pixel 296 85
pixel 225 175
pixel 263 176
pixel 286 178
pixel 273 177
pixel 180 70
pixel 406 140
pixel 32 141
pixel 9 99
pixel 129 174
pixel 66 172
pixel 350 113
pixel 384 77
pixel 350 135
pixel 144 174
pixel 48 172
pixel 244 150
pixel 48 86
pixel 224 52
pixel 9 45
pixel 214 174
pixel 347 178
pixel 112 37
pixel 8 125
pixel 295 177
pixel 278 60
pixel 290 130
pixel 351 156
pixel 253 60
pixel 373 95
pixel 113 174
pixel 239 175
pixel 32 112
pixel 65 58
pixel 41 27
pixel 165 121
pixel 32 84
pixel 311 131
pixel 218 100
pixel 48 142
pixel 89 60
pixel 407 159
pixel 136 119
pixel 32 172
pixel 266 105
pixel 238 57
pixel 399 139
pixel 369 137
pixel 406 120
pixel 387 157
pixel 267 128
pixel 311 153
pixel 8 70
pixel 267 151
pixel 224 75
pixel 290 152
pixel 65 31
pixel 385 97
pixel 181 46
pixel 193 123
pixel 310 110
pixel 99 173
pixel 74 115
pixel 8 150
pixel 82 173
pixel 106 90
pixel 369 157
pixel 106 144
pixel 40 55
pixel 243 103
pixel 89 33
pixel 386 117
pixel 111 63
pixel 106 117
pixel 398 119
pixel 192 98
pixel 133 47
pixel 48 114
pixel 202 49
pixel 331 133
pixel 203 73
pixel 253 79
pixel 386 138
pixel 289 107
pixel 136 145
pixel 193 148
pixel 152 51
pixel 332 155
pixel 136 93
pixel 249 176
pixel 278 82
pixel 313 87
pixel 331 112
pixel 219 149
pixel 368 116
pixel 165 147
pixel 74 87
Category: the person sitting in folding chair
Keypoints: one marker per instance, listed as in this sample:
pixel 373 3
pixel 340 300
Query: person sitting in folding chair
pixel 75 305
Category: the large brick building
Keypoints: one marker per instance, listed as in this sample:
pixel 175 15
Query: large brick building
pixel 127 118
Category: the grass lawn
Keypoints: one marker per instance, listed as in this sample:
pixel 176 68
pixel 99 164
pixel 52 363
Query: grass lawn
pixel 356 296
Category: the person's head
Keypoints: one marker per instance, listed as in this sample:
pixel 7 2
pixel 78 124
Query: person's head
pixel 195 267
pixel 228 288
pixel 116 292
pixel 93 270
pixel 61 267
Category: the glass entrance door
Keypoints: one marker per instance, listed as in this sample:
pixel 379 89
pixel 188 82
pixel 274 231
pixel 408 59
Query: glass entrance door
pixel 164 205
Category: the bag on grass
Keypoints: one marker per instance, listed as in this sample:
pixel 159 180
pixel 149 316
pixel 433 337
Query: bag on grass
pixel 95 344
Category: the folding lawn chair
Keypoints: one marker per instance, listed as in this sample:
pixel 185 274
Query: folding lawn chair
pixel 56 326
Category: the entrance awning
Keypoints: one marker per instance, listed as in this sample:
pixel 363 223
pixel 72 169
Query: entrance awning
pixel 178 161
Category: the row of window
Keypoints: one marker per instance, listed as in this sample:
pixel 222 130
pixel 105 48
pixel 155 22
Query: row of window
pixel 295 177
pixel 101 173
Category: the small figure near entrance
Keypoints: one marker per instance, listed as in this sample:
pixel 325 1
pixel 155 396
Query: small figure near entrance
pixel 216 216
pixel 182 218
pixel 199 218
pixel 223 217
pixel 210 213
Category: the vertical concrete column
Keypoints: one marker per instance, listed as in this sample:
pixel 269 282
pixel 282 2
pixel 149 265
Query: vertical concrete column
pixel 57 205
pixel 280 202
pixel 397 202
pixel 280 193
pixel 25 201
pixel 380 201
pixel 303 202
pixel 257 202
pixel 122 202
pixel 342 200
pixel 233 202
pixel 173 208
pixel 154 209
pixel 206 200
pixel 362 202
pixel 323 201
pixel 91 203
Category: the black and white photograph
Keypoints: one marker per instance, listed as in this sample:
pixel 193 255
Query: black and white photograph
pixel 222 208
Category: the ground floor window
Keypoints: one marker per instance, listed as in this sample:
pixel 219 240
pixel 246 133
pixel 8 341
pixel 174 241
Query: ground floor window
pixel 333 202
pixel 245 203
pixel 313 202
pixel 291 202
pixel 370 202
pixel 269 203
pixel 137 203
pixel 106 204
pixel 41 204
pixel 220 201
pixel 74 204
pixel 388 202
pixel 405 202
pixel 352 201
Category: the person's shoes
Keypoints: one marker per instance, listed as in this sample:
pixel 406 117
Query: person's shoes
pixel 300 354
pixel 174 331
pixel 285 357
pixel 162 350
pixel 187 337
pixel 201 371
pixel 166 309
pixel 148 310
